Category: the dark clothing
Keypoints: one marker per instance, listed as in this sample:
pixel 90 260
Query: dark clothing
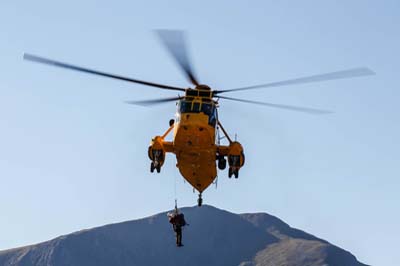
pixel 178 235
pixel 178 221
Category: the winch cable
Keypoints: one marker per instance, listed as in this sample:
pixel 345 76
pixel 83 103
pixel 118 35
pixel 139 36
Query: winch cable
pixel 218 144
pixel 175 188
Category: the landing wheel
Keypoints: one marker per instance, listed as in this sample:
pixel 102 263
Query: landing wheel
pixel 236 173
pixel 152 167
pixel 158 168
pixel 230 172
pixel 199 200
pixel 221 163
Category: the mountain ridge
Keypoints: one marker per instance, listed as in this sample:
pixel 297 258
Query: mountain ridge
pixel 214 237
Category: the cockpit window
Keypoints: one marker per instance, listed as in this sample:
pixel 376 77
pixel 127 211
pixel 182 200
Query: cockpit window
pixel 207 108
pixel 198 107
pixel 190 107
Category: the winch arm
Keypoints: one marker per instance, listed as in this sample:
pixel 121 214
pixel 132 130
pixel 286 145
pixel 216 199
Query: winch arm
pixel 225 133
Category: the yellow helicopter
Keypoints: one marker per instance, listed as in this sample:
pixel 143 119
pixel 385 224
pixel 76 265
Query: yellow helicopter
pixel 196 126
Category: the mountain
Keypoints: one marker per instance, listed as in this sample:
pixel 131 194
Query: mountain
pixel 213 237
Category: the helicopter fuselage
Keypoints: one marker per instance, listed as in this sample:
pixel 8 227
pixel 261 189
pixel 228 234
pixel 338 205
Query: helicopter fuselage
pixel 195 149
pixel 194 142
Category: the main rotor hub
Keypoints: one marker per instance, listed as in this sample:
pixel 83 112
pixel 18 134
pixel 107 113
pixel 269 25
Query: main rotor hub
pixel 202 87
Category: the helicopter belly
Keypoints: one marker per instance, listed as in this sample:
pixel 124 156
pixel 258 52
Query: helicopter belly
pixel 196 154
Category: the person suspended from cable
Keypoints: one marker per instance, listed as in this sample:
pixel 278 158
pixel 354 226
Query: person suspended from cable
pixel 177 220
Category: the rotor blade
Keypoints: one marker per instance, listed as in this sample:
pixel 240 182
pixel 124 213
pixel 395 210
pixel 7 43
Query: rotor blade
pixel 349 73
pixel 154 101
pixel 281 106
pixel 175 42
pixel 46 61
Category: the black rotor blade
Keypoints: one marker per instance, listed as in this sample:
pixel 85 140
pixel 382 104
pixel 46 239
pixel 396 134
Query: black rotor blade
pixel 281 106
pixel 46 61
pixel 349 73
pixel 154 101
pixel 175 42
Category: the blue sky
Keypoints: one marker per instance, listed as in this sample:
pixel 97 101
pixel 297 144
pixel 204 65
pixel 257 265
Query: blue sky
pixel 73 155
